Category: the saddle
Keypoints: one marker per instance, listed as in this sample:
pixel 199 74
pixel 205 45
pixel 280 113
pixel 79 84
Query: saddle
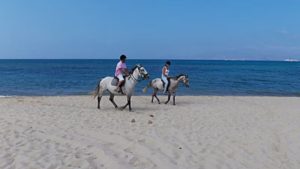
pixel 115 81
pixel 165 83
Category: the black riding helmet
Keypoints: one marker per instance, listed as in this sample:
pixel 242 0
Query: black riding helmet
pixel 168 62
pixel 122 57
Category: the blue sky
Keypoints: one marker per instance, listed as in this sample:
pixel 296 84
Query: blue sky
pixel 173 29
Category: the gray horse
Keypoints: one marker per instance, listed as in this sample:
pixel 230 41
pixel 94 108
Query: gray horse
pixel 138 73
pixel 157 85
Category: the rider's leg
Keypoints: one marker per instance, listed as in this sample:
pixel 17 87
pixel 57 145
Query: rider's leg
pixel 118 89
pixel 121 80
pixel 120 84
pixel 166 84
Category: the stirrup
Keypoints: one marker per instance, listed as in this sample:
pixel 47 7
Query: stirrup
pixel 121 92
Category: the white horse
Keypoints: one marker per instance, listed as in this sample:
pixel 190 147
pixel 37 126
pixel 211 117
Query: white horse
pixel 157 85
pixel 105 84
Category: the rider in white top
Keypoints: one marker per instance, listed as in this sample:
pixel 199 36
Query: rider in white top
pixel 165 75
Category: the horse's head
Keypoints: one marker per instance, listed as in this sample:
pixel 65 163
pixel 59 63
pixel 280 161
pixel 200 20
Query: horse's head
pixel 141 71
pixel 185 79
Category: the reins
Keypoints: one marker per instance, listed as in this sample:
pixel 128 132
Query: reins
pixel 134 78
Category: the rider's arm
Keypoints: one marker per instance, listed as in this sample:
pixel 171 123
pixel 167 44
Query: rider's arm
pixel 126 72
pixel 164 71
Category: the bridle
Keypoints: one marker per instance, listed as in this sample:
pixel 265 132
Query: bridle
pixel 184 80
pixel 132 76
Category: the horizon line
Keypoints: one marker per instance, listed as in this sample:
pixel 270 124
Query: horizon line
pixel 285 60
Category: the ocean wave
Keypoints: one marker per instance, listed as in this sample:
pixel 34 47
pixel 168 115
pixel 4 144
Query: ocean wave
pixel 291 60
pixel 4 96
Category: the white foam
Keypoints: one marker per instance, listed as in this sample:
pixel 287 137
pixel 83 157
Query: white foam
pixel 4 96
pixel 291 60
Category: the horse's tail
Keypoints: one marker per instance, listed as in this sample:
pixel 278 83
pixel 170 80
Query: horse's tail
pixel 145 88
pixel 96 92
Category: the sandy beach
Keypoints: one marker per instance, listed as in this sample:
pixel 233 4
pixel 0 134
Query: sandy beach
pixel 200 132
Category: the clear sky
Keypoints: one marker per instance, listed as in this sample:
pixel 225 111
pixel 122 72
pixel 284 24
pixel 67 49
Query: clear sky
pixel 150 29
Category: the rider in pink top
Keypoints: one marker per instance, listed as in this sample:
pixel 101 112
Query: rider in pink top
pixel 121 70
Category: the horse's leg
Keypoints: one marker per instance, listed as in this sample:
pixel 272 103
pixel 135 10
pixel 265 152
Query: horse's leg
pixel 157 99
pixel 156 90
pixel 99 99
pixel 111 98
pixel 100 93
pixel 129 102
pixel 152 97
pixel 155 95
pixel 123 107
pixel 174 99
pixel 169 96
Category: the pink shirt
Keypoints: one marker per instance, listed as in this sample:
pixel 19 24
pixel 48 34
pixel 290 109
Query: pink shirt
pixel 119 68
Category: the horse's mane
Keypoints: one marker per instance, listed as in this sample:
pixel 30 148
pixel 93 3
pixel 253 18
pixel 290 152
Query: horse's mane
pixel 178 76
pixel 135 66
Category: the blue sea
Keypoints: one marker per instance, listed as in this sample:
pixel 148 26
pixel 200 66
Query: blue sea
pixel 80 77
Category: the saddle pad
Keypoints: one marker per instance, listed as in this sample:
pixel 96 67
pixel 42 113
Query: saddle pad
pixel 114 82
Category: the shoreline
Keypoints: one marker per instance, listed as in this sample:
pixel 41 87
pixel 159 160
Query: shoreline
pixel 199 132
pixel 149 95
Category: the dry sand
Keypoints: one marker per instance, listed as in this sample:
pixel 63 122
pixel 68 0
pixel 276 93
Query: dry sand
pixel 200 132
